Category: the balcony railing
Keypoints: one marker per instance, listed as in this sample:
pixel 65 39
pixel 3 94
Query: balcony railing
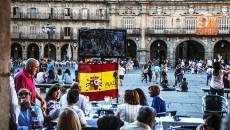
pixel 57 16
pixel 184 31
pixel 59 0
pixel 36 36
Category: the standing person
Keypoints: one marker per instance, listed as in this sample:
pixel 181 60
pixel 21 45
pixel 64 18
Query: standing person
pixel 150 73
pixel 158 103
pixel 145 71
pixel 157 73
pixel 217 85
pixel 121 74
pixel 209 74
pixel 137 62
pixel 24 79
pixel 76 71
pixel 153 70
pixel 178 75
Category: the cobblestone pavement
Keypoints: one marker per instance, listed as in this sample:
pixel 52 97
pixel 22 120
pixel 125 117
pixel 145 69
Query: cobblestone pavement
pixel 185 103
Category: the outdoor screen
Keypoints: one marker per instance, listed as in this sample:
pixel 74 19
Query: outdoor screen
pixel 102 43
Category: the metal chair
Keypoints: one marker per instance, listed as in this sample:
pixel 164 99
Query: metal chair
pixel 214 104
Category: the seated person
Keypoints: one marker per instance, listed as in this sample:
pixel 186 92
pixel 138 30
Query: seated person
pixel 127 111
pixel 72 98
pixel 27 111
pixel 50 78
pixel 184 85
pixel 212 121
pixel 145 120
pixel 158 103
pixel 81 103
pixel 41 77
pixel 68 120
pixel 165 86
pixel 109 123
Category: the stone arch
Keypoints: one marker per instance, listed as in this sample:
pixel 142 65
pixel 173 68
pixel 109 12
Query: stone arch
pixel 131 49
pixel 16 50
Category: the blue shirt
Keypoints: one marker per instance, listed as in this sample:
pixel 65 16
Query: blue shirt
pixel 25 117
pixel 158 104
pixel 51 66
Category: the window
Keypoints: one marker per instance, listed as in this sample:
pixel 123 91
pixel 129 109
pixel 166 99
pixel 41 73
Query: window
pixel 15 29
pixel 223 25
pixel 128 24
pixel 67 31
pixel 67 12
pixel 159 25
pixel 190 25
pixel 84 12
pixel 15 11
pixel 33 13
pixel 101 12
pixel 32 30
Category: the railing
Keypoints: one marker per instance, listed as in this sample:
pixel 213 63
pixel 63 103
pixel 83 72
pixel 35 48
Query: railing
pixel 132 30
pixel 181 31
pixel 59 16
pixel 55 36
pixel 59 0
pixel 156 1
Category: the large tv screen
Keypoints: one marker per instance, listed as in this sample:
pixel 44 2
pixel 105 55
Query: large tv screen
pixel 110 43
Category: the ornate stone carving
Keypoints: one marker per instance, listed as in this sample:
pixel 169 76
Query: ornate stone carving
pixel 159 10
pixel 224 9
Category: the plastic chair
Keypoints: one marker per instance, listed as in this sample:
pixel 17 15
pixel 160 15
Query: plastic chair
pixel 215 104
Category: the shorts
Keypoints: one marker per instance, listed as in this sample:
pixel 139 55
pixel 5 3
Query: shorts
pixel 121 76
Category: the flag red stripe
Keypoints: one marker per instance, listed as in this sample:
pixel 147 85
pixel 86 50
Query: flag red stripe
pixel 99 96
pixel 94 68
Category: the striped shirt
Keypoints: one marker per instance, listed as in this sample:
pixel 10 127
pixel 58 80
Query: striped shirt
pixel 128 113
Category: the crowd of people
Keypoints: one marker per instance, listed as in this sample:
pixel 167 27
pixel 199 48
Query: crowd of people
pixel 70 108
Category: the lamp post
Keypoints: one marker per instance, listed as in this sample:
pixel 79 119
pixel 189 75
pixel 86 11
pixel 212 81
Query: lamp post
pixel 50 30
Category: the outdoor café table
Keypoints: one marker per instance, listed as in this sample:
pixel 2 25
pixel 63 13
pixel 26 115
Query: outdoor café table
pixel 169 121
pixel 91 121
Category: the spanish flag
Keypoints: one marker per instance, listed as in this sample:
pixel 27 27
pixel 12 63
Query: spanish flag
pixel 99 80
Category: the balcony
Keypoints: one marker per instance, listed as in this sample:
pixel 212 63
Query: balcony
pixel 57 16
pixel 42 36
pixel 132 31
pixel 58 0
pixel 184 31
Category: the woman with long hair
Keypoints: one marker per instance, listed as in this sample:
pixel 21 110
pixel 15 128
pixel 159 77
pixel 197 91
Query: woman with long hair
pixel 59 76
pixel 127 112
pixel 217 84
pixel 143 99
pixel 68 120
pixel 52 98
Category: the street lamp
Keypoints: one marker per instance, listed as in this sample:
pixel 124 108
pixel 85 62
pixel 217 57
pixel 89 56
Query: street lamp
pixel 50 30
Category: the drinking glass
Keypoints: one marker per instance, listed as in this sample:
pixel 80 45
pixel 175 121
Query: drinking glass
pixel 87 110
pixel 159 125
pixel 36 122
pixel 106 98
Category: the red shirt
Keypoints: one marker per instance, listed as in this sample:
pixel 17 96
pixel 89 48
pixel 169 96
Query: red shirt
pixel 24 80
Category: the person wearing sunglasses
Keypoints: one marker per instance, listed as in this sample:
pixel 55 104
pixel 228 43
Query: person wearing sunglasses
pixel 28 112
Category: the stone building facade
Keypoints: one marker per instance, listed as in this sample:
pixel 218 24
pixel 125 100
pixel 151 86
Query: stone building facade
pixel 174 29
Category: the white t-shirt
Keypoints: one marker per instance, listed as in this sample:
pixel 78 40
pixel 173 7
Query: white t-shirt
pixel 217 81
pixel 40 77
pixel 121 71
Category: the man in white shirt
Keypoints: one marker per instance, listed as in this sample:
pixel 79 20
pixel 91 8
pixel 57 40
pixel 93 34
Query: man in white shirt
pixel 157 72
pixel 209 74
pixel 81 103
pixel 76 71
pixel 145 120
